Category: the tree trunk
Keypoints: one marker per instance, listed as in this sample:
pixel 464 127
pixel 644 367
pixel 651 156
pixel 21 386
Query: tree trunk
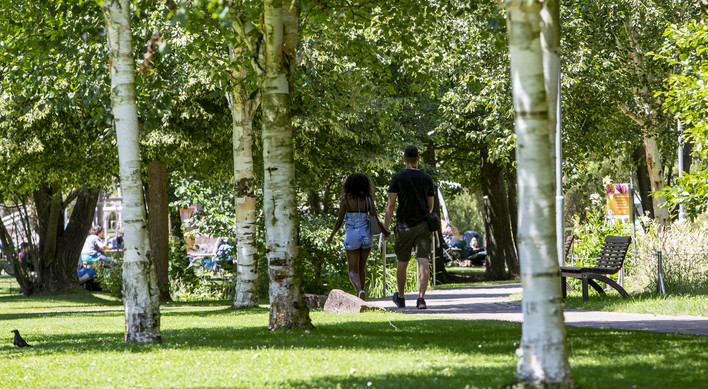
pixel 140 291
pixel 175 219
pixel 287 298
pixel 643 184
pixel 543 342
pixel 512 203
pixel 60 248
pixel 242 111
pixel 687 155
pixel 656 179
pixel 500 249
pixel 158 226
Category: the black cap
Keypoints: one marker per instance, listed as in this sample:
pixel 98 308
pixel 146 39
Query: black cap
pixel 411 152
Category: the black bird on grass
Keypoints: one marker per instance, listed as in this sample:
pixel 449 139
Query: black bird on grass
pixel 19 342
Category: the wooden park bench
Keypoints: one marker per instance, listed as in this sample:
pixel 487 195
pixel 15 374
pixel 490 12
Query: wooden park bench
pixel 610 262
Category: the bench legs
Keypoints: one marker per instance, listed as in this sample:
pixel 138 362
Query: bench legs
pixel 589 279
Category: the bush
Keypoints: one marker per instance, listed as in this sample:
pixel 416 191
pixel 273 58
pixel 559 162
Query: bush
pixel 110 276
pixel 324 266
pixel 684 259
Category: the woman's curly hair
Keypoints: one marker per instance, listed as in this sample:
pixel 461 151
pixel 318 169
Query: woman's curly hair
pixel 358 185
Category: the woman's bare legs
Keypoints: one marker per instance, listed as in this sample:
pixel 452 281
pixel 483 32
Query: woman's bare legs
pixel 353 263
pixel 356 259
pixel 363 258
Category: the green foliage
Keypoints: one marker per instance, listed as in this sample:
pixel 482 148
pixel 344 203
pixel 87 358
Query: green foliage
pixel 686 95
pixel 217 216
pixel 110 276
pixel 375 280
pixel 591 233
pixel 324 266
pixel 465 212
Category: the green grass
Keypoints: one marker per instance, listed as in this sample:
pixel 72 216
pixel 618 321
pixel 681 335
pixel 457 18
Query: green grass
pixel 8 284
pixel 648 303
pixel 218 347
pixel 645 303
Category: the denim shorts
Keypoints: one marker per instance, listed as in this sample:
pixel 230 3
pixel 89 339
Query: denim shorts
pixel 356 238
pixel 417 236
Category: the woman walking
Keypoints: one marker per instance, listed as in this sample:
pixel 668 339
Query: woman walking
pixel 355 206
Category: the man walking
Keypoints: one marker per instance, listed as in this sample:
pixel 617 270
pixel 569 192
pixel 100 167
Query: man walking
pixel 414 191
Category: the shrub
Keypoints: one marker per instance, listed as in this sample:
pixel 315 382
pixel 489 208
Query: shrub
pixel 110 276
pixel 684 259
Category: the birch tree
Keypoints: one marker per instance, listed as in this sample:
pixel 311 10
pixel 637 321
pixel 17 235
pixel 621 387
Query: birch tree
pixel 287 298
pixel 140 291
pixel 243 108
pixel 544 358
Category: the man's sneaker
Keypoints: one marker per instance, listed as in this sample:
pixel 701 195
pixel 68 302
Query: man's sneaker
pixel 400 302
pixel 420 304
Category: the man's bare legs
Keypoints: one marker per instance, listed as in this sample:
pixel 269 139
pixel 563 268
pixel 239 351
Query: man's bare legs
pixel 423 276
pixel 401 278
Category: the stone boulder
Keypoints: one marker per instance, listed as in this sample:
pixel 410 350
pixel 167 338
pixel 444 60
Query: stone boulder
pixel 340 301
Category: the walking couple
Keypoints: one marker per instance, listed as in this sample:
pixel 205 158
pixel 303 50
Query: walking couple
pixel 414 190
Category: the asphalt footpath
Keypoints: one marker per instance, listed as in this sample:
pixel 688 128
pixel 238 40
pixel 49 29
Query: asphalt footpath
pixel 492 302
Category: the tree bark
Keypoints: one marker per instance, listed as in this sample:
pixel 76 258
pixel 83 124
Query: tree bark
pixel 140 291
pixel 656 180
pixel 497 223
pixel 643 184
pixel 513 203
pixel 60 248
pixel 543 342
pixel 175 219
pixel 287 298
pixel 242 111
pixel 158 226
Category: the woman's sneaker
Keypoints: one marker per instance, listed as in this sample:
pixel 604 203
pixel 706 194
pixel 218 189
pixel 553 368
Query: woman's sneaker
pixel 420 304
pixel 400 302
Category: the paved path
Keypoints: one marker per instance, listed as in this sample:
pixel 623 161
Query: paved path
pixel 486 302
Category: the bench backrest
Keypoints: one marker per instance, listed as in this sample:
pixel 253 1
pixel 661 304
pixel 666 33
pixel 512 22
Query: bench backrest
pixel 614 251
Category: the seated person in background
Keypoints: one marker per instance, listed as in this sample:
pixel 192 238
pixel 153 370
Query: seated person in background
pixel 25 257
pixel 94 246
pixel 116 243
pixel 85 273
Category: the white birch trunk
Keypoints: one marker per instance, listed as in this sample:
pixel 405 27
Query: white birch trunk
pixel 140 291
pixel 543 341
pixel 656 177
pixel 287 298
pixel 242 110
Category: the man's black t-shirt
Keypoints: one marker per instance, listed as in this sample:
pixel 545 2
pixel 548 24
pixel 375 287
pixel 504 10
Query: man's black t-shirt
pixel 412 187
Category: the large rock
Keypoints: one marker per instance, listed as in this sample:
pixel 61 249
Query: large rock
pixel 340 301
pixel 315 301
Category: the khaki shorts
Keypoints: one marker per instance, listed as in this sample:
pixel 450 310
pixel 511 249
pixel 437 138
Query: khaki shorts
pixel 417 236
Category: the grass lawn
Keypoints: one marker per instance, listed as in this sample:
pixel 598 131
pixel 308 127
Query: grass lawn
pixel 8 284
pixel 213 346
pixel 645 303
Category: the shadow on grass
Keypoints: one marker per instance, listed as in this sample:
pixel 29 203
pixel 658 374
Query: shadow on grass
pixel 599 357
pixel 467 376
